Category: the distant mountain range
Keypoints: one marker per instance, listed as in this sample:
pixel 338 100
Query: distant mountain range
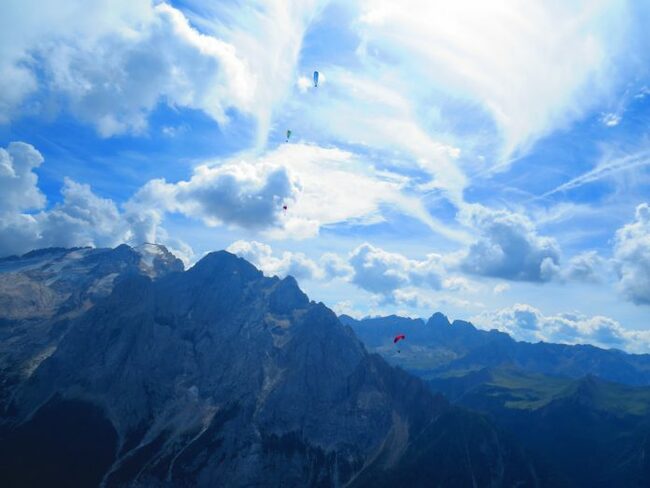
pixel 120 368
pixel 437 346
pixel 562 403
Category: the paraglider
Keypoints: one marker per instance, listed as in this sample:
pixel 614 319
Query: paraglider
pixel 288 134
pixel 398 337
pixel 284 207
pixel 315 79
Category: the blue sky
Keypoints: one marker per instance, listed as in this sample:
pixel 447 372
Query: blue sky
pixel 490 160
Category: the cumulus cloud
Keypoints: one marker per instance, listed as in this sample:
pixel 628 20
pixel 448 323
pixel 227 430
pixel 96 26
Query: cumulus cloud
pixel 383 273
pixel 390 278
pixel 320 186
pixel 81 218
pixel 328 267
pixel 632 257
pixel 527 323
pixel 241 193
pixel 508 247
pixel 334 266
pixel 587 267
pixel 150 54
pixel 261 255
pixel 379 271
pixel 165 60
pixel 18 182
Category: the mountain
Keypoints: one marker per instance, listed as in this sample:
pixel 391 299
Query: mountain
pixel 438 347
pixel 42 292
pixel 579 429
pixel 119 368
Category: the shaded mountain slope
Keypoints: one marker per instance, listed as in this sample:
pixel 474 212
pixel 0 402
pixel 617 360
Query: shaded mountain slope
pixel 586 432
pixel 579 430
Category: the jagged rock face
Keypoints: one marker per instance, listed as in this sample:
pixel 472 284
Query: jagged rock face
pixel 219 376
pixel 43 291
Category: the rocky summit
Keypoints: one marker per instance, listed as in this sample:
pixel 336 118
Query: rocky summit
pixel 120 368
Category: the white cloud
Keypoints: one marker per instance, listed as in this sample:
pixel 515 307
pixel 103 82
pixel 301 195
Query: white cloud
pixel 337 186
pixel 508 246
pixel 261 255
pixel 425 300
pixel 359 109
pixel 268 35
pixel 80 219
pixel 534 66
pixel 632 256
pixel 249 195
pixel 389 277
pixel 610 119
pixel 334 266
pixel 527 323
pixel 18 182
pixel 500 288
pixel 150 54
pixel 459 284
pixel 304 84
pixel 165 60
pixel 587 266
pixel 608 167
pixel 18 233
pixel 378 271
pixel 377 114
pixel 320 186
pixel 347 307
pixel 382 272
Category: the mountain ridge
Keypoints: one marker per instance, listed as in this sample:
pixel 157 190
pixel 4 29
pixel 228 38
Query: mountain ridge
pixel 218 374
pixel 459 345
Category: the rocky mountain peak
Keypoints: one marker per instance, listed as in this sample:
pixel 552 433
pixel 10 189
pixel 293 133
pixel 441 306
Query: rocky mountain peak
pixel 287 296
pixel 438 319
pixel 224 265
pixel 156 260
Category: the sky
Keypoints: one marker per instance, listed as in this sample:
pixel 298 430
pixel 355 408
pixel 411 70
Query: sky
pixel 490 160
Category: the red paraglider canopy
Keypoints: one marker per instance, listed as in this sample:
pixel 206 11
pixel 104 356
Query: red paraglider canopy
pixel 399 337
